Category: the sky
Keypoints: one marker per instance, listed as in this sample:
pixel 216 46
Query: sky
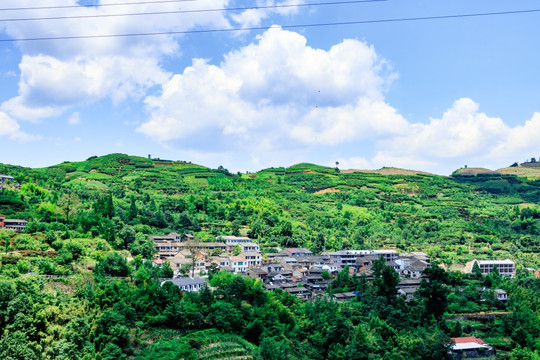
pixel 402 83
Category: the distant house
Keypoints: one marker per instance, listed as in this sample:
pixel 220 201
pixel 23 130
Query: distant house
pixel 232 240
pixel 297 252
pixel 344 296
pixel 188 284
pixel 169 245
pixel 13 224
pixel 258 273
pixel 471 347
pixel 500 294
pixel 4 178
pixel 300 292
pixel 351 258
pixel 249 247
pixel 505 267
pixel 239 264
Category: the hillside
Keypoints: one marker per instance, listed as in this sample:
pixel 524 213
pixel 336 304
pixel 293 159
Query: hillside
pixel 492 214
pixel 79 283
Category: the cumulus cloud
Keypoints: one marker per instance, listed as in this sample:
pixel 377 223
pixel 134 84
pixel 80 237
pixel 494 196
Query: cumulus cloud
pixel 253 17
pixel 355 162
pixel 11 129
pixel 56 75
pixel 463 135
pixel 278 92
pixel 48 85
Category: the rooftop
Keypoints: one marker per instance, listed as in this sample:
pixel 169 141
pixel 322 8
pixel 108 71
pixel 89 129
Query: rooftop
pixel 186 281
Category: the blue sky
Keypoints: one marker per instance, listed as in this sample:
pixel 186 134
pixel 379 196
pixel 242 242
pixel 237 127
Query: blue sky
pixel 430 95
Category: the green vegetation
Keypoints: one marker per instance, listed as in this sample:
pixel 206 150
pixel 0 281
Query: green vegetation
pixel 68 292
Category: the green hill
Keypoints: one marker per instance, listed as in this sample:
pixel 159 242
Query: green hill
pixel 492 213
pixel 79 283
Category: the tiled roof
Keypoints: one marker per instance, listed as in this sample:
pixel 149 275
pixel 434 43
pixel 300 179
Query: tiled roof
pixel 468 339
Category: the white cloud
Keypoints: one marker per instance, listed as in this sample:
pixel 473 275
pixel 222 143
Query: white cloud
pixel 142 46
pixel 59 74
pixel 74 119
pixel 277 93
pixel 520 141
pixel 11 129
pixel 463 135
pixel 253 17
pixel 355 162
pixel 48 86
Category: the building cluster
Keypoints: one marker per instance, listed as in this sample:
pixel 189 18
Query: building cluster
pixel 294 270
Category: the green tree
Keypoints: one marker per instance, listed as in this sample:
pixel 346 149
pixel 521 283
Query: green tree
pixel 113 264
pixel 68 205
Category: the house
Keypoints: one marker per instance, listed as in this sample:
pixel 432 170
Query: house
pixel 233 240
pixel 273 268
pixel 13 224
pixel 258 273
pixel 300 292
pixel 505 267
pixel 407 288
pixel 249 247
pixel 169 245
pixel 344 258
pixel 276 277
pixel 296 252
pixel 184 257
pixel 221 261
pixel 414 269
pixel 418 255
pixel 471 347
pixel 253 258
pixel 500 294
pixel 388 255
pixel 239 264
pixel 171 237
pixel 4 178
pixel 344 296
pixel 351 258
pixel 188 284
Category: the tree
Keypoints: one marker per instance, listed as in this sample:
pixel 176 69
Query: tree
pixel 477 273
pixel 434 293
pixel 386 281
pixel 193 247
pixel 126 237
pixel 143 245
pixel 112 264
pixel 318 243
pixel 166 271
pixel 237 250
pixel 133 211
pixel 68 204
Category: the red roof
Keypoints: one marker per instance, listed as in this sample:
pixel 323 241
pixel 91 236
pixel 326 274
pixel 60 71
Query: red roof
pixel 468 339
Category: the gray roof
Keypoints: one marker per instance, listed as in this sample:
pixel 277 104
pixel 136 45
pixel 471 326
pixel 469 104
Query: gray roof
pixel 186 281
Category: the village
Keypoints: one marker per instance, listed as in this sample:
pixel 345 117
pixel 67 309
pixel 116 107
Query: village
pixel 295 270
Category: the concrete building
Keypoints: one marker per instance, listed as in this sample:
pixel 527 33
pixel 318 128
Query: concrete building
pixel 232 240
pixel 505 267
pixel 350 257
pixel 471 347
pixel 13 224
pixel 188 284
